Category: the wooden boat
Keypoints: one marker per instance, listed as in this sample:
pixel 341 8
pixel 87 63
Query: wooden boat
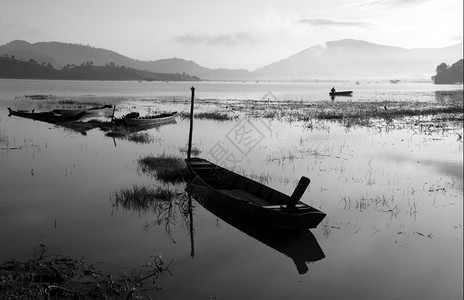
pixel 49 117
pixel 341 93
pixel 133 119
pixel 97 110
pixel 250 198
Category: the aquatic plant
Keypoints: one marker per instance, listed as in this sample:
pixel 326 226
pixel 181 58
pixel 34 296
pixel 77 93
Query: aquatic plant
pixel 194 151
pixel 169 169
pixel 140 198
pixel 165 204
pixel 211 115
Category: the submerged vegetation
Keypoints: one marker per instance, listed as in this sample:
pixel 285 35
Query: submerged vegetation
pixel 169 169
pixel 165 204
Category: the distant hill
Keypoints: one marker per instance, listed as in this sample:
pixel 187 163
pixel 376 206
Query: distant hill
pixel 61 54
pixel 344 59
pixel 449 75
pixel 10 67
pixel 359 59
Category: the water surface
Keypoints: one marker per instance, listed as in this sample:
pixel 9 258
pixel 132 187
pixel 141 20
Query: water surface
pixel 393 198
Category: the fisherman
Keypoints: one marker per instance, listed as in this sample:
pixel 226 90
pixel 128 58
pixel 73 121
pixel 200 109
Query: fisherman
pixel 332 90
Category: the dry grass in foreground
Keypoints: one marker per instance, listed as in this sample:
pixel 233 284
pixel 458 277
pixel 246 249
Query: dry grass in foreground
pixel 62 277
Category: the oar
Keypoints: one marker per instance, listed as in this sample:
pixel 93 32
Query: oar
pixel 298 192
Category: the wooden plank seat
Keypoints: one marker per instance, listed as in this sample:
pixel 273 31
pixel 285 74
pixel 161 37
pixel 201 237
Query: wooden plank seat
pixel 283 206
pixel 244 196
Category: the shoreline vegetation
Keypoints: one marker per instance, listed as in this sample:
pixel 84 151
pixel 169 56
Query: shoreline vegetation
pixel 432 115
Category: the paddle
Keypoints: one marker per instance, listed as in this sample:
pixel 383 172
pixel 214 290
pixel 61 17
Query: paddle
pixel 298 192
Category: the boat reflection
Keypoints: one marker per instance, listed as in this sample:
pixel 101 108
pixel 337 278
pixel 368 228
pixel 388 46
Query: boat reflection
pixel 301 246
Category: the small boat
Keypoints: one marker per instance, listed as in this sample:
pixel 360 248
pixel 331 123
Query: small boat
pixel 97 110
pixel 341 93
pixel 395 80
pixel 258 202
pixel 134 119
pixel 49 117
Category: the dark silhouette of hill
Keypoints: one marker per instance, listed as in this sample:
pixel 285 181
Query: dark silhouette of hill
pixel 10 67
pixel 61 54
pixel 344 59
pixel 358 59
pixel 449 75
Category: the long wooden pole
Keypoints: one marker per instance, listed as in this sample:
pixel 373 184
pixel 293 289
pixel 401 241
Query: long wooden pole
pixel 112 115
pixel 192 245
pixel 191 124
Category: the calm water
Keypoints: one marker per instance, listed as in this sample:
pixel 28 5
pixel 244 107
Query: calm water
pixel 394 199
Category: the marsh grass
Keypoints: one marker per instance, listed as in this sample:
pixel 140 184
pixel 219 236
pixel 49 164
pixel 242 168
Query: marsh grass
pixel 165 204
pixel 4 139
pixel 141 198
pixel 169 169
pixel 364 114
pixel 211 115
pixel 194 151
pixel 64 277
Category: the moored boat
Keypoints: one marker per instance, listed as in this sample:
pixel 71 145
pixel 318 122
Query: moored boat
pixel 50 116
pixel 97 110
pixel 250 198
pixel 341 93
pixel 134 119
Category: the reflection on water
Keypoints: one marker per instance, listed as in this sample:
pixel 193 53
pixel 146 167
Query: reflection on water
pixel 301 246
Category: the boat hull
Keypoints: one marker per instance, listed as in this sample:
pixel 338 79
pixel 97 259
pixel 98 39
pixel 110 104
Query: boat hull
pixel 341 93
pixel 49 117
pixel 149 120
pixel 254 200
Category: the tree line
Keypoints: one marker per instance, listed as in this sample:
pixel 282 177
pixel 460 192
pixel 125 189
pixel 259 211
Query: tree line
pixel 449 74
pixel 10 67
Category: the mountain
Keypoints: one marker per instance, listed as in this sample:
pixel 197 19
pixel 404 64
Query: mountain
pixel 344 59
pixel 62 54
pixel 359 59
pixel 10 67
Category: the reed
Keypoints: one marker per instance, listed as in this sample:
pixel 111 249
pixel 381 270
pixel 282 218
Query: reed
pixel 169 169
pixel 140 198
pixel 211 115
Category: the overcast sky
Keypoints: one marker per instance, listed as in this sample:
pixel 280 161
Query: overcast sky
pixel 230 34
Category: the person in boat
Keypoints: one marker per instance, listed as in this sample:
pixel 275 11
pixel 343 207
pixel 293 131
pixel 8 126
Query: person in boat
pixel 332 90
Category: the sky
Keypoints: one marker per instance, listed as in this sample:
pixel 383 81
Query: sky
pixel 230 34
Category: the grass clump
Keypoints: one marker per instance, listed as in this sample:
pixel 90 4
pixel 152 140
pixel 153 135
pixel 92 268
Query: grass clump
pixel 167 206
pixel 194 151
pixel 169 169
pixel 63 277
pixel 211 115
pixel 140 198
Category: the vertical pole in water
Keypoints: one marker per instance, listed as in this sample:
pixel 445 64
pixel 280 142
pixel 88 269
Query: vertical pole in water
pixel 112 116
pixel 192 245
pixel 191 123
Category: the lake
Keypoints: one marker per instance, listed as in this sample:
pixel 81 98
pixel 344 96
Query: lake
pixel 393 195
